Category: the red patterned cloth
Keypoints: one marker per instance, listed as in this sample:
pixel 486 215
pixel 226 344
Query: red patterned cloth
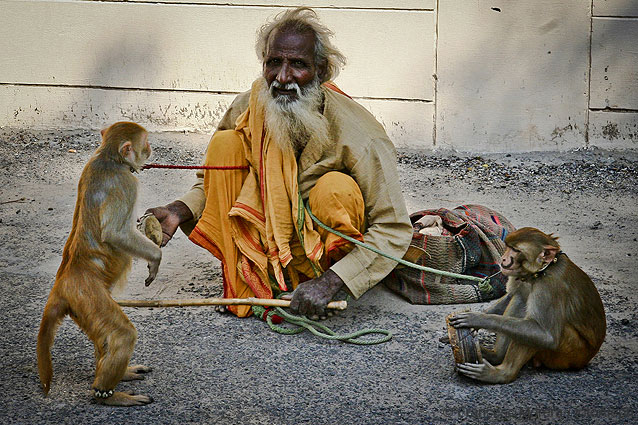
pixel 472 244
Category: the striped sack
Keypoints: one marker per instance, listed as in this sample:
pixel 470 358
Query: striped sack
pixel 471 243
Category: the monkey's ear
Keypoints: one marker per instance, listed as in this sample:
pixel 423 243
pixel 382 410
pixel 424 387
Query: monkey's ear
pixel 126 148
pixel 549 253
pixel 102 132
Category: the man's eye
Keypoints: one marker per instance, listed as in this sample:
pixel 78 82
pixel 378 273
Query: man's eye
pixel 272 62
pixel 299 64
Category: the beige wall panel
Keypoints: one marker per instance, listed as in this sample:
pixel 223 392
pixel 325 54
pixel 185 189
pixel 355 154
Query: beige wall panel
pixel 78 108
pixel 128 45
pixel 514 79
pixel 200 47
pixel 614 63
pixel 616 8
pixel 360 4
pixel 390 53
pixel 614 130
pixel 408 124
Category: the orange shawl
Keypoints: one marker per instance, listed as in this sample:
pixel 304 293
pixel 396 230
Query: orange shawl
pixel 266 217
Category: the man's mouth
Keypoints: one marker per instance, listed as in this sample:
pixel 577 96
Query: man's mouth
pixel 284 92
pixel 290 91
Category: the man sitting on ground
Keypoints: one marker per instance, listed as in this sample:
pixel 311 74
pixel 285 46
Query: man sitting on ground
pixel 300 140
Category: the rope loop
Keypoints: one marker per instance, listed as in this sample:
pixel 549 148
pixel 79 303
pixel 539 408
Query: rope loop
pixel 317 328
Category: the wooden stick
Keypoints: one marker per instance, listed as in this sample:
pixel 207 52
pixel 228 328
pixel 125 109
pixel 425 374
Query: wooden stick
pixel 336 305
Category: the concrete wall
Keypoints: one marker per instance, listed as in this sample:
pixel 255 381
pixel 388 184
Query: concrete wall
pixel 468 75
pixel 613 105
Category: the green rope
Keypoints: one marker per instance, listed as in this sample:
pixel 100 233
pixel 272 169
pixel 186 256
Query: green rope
pixel 484 283
pixel 317 328
pixel 323 331
pixel 301 218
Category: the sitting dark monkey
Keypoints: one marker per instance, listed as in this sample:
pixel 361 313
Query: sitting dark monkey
pixel 97 257
pixel 551 313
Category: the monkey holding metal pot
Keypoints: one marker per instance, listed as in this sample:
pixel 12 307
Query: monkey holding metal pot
pixel 551 314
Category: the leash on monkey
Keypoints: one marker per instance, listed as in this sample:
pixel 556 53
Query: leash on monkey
pixel 271 310
pixel 195 167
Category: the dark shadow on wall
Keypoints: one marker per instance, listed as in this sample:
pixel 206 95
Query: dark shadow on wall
pixel 125 72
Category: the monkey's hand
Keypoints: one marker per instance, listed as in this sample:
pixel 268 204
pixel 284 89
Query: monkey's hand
pixel 467 319
pixel 170 217
pixel 481 372
pixel 153 267
pixel 311 297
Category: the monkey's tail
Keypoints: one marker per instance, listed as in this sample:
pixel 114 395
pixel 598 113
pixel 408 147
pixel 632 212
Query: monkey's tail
pixel 54 312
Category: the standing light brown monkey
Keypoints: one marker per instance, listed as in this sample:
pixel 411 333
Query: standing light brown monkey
pixel 96 258
pixel 551 313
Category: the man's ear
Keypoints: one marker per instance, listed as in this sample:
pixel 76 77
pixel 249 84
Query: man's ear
pixel 322 70
pixel 125 149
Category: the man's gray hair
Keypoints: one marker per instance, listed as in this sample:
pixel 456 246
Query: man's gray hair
pixel 304 19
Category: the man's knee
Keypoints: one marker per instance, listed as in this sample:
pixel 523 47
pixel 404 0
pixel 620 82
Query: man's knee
pixel 336 191
pixel 225 148
pixel 334 183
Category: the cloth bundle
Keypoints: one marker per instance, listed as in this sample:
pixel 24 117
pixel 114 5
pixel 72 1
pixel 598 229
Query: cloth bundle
pixel 471 242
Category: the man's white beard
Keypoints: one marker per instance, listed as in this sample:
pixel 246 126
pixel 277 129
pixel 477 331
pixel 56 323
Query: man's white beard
pixel 294 123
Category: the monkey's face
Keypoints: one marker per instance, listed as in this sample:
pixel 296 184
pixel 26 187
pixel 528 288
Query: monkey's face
pixel 510 262
pixel 142 151
pixel 146 150
pixel 520 260
pixel 528 251
pixel 136 152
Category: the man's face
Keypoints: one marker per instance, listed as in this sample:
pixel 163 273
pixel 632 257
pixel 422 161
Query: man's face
pixel 290 60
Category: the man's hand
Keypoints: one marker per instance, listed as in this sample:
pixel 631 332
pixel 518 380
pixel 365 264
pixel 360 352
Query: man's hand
pixel 170 217
pixel 311 297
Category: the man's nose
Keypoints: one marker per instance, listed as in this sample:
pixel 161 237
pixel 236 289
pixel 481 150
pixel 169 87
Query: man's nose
pixel 284 76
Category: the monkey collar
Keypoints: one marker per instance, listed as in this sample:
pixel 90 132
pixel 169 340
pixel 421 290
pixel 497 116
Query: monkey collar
pixel 542 271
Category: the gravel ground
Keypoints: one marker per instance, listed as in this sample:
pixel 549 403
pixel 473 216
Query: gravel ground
pixel 211 368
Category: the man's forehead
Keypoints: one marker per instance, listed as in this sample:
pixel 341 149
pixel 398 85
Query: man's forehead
pixel 291 42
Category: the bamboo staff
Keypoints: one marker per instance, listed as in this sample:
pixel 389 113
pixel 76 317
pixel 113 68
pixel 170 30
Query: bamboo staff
pixel 336 305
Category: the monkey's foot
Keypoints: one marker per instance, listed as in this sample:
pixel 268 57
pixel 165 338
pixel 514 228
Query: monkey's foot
pixel 125 398
pixel 134 373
